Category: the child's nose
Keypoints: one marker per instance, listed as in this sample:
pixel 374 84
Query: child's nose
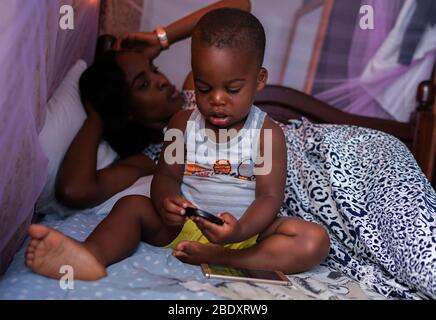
pixel 216 99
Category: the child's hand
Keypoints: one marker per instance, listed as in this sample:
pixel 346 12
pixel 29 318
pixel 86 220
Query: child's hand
pixel 219 234
pixel 173 210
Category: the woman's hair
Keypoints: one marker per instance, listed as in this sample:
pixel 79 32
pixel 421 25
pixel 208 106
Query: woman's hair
pixel 104 86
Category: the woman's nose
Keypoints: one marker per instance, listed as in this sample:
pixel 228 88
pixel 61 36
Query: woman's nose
pixel 162 82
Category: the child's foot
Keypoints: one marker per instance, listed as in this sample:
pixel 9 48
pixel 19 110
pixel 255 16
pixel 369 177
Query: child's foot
pixel 49 250
pixel 197 253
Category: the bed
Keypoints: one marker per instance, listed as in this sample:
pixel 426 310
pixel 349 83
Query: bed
pixel 152 273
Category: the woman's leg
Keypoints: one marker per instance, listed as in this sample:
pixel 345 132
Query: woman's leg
pixel 133 218
pixel 290 245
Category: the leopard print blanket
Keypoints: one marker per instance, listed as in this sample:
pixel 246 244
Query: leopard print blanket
pixel 366 189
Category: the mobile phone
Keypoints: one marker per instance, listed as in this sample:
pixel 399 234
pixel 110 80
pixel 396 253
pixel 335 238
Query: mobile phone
pixel 203 214
pixel 249 275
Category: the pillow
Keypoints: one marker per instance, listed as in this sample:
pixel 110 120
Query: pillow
pixel 64 117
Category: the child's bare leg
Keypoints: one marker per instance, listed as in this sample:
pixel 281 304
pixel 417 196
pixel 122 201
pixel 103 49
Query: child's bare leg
pixel 289 245
pixel 132 219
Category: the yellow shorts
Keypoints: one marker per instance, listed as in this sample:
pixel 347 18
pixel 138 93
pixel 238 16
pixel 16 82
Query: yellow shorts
pixel 190 232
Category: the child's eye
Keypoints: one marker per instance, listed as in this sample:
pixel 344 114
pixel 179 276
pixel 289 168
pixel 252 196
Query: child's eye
pixel 233 91
pixel 155 69
pixel 203 90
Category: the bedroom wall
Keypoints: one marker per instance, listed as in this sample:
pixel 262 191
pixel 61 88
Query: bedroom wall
pixel 118 17
pixel 276 17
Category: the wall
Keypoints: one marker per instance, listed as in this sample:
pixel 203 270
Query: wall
pixel 276 17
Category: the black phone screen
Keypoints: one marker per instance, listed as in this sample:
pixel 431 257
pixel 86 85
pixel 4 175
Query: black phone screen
pixel 203 214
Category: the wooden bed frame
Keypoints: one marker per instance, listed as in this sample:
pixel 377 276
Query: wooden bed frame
pixel 283 103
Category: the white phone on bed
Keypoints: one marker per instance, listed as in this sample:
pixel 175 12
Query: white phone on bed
pixel 249 275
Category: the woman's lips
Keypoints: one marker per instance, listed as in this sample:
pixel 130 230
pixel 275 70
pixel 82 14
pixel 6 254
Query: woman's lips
pixel 173 93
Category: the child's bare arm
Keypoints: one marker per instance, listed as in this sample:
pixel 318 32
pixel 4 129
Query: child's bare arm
pixel 270 187
pixel 79 184
pixel 165 189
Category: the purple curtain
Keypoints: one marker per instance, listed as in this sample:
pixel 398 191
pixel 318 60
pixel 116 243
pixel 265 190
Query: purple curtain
pixel 349 94
pixel 35 54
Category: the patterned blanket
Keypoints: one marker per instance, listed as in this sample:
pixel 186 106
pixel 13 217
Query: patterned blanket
pixel 367 190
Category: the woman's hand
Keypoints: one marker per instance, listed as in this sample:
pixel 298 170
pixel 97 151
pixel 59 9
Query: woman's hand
pixel 227 233
pixel 93 115
pixel 146 42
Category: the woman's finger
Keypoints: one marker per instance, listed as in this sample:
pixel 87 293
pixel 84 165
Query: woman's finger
pixel 128 37
pixel 118 43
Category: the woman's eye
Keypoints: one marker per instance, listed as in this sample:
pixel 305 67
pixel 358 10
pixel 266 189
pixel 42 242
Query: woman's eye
pixel 143 84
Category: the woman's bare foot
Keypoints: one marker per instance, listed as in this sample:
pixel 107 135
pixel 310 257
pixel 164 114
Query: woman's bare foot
pixel 49 250
pixel 197 253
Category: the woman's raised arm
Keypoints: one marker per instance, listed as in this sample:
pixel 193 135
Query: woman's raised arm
pixel 180 29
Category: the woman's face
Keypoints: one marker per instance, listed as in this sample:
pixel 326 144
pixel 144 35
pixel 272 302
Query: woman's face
pixel 153 98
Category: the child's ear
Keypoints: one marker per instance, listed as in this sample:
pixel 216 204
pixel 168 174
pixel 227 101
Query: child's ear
pixel 262 78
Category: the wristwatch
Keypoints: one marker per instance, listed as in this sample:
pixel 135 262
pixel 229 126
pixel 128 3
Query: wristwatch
pixel 162 36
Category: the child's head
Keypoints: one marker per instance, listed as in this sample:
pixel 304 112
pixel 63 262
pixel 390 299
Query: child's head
pixel 133 98
pixel 228 47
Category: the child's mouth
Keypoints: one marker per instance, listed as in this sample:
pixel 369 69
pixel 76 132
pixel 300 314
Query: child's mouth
pixel 219 119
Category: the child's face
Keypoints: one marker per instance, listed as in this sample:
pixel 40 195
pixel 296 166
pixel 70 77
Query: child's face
pixel 226 82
